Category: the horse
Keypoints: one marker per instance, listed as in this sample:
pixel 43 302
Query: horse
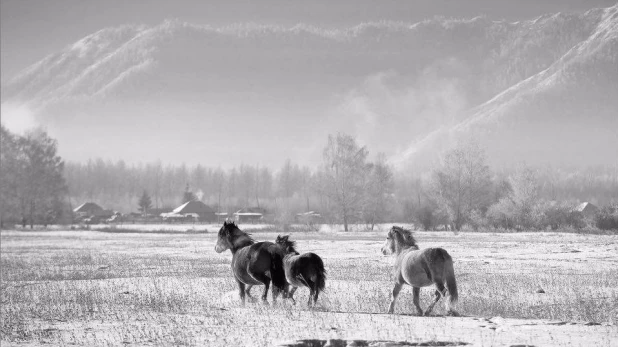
pixel 302 270
pixel 253 263
pixel 420 268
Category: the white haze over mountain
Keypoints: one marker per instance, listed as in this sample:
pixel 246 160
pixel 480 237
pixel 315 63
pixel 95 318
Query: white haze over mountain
pixel 541 90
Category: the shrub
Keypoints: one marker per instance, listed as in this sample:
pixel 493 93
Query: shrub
pixel 562 215
pixel 502 214
pixel 424 215
pixel 477 220
pixel 607 219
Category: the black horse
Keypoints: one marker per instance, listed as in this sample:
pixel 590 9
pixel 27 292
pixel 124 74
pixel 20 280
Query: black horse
pixel 253 263
pixel 304 270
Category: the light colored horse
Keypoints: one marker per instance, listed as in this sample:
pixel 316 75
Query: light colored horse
pixel 420 268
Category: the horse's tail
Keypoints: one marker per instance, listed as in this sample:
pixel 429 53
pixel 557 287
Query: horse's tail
pixel 320 274
pixel 449 277
pixel 277 272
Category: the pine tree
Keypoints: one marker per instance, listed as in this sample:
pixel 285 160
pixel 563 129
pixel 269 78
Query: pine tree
pixel 145 202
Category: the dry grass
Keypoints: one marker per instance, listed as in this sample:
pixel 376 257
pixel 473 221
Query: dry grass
pixel 94 288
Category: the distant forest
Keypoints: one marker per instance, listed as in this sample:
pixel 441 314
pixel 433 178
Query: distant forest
pixel 118 185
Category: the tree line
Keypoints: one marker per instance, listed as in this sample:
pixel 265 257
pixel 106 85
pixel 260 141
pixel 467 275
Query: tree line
pixel 347 187
pixel 463 190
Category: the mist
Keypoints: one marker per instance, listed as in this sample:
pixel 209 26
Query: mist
pixel 18 118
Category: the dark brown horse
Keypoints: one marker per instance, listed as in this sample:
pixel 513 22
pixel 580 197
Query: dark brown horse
pixel 302 270
pixel 253 263
pixel 420 268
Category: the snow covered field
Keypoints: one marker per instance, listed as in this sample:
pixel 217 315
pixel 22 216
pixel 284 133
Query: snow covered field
pixel 106 288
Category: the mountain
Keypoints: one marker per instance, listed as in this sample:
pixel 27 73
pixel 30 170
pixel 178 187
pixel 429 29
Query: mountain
pixel 564 114
pixel 251 93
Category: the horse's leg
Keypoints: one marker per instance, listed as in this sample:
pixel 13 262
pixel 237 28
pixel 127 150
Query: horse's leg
pixel 311 291
pixel 311 286
pixel 248 292
pixel 430 307
pixel 416 299
pixel 265 280
pixel 291 294
pixel 241 288
pixel 440 292
pixel 396 290
pixel 315 297
pixel 266 287
pixel 276 293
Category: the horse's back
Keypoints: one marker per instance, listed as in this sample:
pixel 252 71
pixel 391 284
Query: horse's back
pixel 310 261
pixel 255 259
pixel 419 268
pixel 306 266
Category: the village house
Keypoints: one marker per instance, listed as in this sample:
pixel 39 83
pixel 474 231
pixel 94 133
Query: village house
pixel 198 210
pixel 249 215
pixel 587 209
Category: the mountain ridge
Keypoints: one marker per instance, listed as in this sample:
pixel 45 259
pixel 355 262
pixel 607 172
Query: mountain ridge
pixel 177 65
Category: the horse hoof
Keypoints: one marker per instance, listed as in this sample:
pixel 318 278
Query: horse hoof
pixel 453 313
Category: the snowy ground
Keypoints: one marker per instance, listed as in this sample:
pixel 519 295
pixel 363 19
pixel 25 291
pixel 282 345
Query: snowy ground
pixel 98 288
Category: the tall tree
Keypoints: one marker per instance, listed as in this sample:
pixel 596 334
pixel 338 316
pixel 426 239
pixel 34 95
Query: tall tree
pixel 525 196
pixel 219 185
pixel 11 169
pixel 42 182
pixel 247 182
pixel 379 192
pixel 266 183
pixel 286 179
pixel 145 202
pixel 345 176
pixel 463 183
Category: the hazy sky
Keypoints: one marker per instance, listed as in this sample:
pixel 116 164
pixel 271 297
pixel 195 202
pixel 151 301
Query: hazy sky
pixel 32 29
pixel 278 99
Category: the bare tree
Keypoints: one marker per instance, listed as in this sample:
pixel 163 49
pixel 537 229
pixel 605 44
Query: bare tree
pixel 525 196
pixel 462 183
pixel 379 192
pixel 265 183
pixel 345 176
pixel 219 184
pixel 247 182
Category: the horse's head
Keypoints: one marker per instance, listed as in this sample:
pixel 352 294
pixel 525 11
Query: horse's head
pixel 231 237
pixel 286 244
pixel 398 239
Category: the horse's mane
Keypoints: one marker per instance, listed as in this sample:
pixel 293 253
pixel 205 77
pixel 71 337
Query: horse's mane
pixel 404 236
pixel 237 237
pixel 288 245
